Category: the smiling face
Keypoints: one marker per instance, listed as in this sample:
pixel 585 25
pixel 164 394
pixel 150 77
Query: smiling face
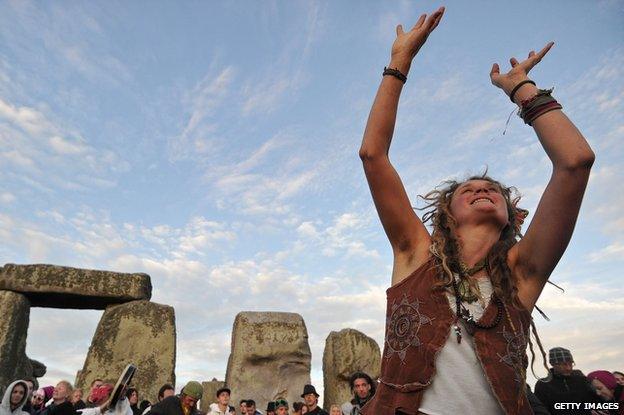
pixel 479 201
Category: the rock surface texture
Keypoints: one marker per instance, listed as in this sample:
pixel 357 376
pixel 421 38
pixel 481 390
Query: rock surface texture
pixel 14 316
pixel 139 332
pixel 270 357
pixel 66 287
pixel 346 352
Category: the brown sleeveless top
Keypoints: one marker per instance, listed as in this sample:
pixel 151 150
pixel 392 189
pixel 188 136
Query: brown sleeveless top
pixel 418 322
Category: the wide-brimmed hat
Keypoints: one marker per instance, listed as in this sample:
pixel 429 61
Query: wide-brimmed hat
pixel 223 389
pixel 307 389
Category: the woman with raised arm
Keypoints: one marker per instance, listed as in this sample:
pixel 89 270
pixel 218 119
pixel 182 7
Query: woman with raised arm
pixel 459 308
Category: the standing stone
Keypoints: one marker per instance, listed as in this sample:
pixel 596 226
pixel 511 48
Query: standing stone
pixel 139 332
pixel 210 394
pixel 67 287
pixel 14 316
pixel 270 357
pixel 346 352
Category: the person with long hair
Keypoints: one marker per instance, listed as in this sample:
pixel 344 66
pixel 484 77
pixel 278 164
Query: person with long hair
pixel 460 304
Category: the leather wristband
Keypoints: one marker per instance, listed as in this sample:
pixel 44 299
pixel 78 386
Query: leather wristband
pixel 396 73
pixel 517 87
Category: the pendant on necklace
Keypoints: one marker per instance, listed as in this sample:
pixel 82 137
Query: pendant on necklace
pixel 457 333
pixel 469 321
pixel 466 293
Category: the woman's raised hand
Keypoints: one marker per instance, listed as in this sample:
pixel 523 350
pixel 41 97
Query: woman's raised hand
pixel 519 70
pixel 407 44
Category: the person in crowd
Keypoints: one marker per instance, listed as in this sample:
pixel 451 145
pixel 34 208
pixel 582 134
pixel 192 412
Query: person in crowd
pixel 61 403
pixel 536 405
pixel 619 376
pixel 144 405
pixel 298 408
pixel 250 408
pixel 102 402
pixel 335 410
pixel 270 409
pixel 281 407
pixel 95 384
pixel 47 400
pixel 475 262
pixel 133 399
pixel 76 399
pixel 37 402
pixel 363 389
pixel 31 387
pixel 222 406
pixel 242 405
pixel 165 391
pixel 310 397
pixel 606 386
pixel 183 404
pixel 563 384
pixel 15 396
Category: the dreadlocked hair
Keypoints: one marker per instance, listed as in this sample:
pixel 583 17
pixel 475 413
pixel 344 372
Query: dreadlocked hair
pixel 446 249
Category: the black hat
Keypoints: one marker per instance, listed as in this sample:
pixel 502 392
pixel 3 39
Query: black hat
pixel 223 389
pixel 270 406
pixel 307 389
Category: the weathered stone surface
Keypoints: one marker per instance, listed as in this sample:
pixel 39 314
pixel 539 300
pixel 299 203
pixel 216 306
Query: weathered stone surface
pixel 138 332
pixel 66 287
pixel 39 369
pixel 14 316
pixel 346 352
pixel 270 357
pixel 210 394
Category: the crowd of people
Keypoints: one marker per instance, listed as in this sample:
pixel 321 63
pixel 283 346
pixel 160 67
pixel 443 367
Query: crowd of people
pixel 598 393
pixel 21 398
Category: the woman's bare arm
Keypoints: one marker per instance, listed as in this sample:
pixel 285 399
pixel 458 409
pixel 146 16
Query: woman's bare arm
pixel 407 234
pixel 534 258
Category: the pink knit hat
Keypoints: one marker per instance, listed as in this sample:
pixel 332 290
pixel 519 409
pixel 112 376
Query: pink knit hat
pixel 605 377
pixel 48 390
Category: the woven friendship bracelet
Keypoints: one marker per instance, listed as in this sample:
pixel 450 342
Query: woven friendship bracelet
pixel 538 105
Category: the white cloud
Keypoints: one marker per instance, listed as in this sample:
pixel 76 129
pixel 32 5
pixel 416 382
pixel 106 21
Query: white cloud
pixel 7 198
pixel 198 134
pixel 32 140
pixel 64 146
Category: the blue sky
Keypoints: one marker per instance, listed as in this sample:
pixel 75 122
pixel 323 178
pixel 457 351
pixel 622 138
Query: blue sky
pixel 214 145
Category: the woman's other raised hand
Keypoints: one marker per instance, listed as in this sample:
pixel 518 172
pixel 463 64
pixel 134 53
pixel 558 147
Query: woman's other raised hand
pixel 407 44
pixel 519 70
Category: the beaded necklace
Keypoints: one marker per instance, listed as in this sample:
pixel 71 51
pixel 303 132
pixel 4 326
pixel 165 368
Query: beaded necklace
pixel 465 294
